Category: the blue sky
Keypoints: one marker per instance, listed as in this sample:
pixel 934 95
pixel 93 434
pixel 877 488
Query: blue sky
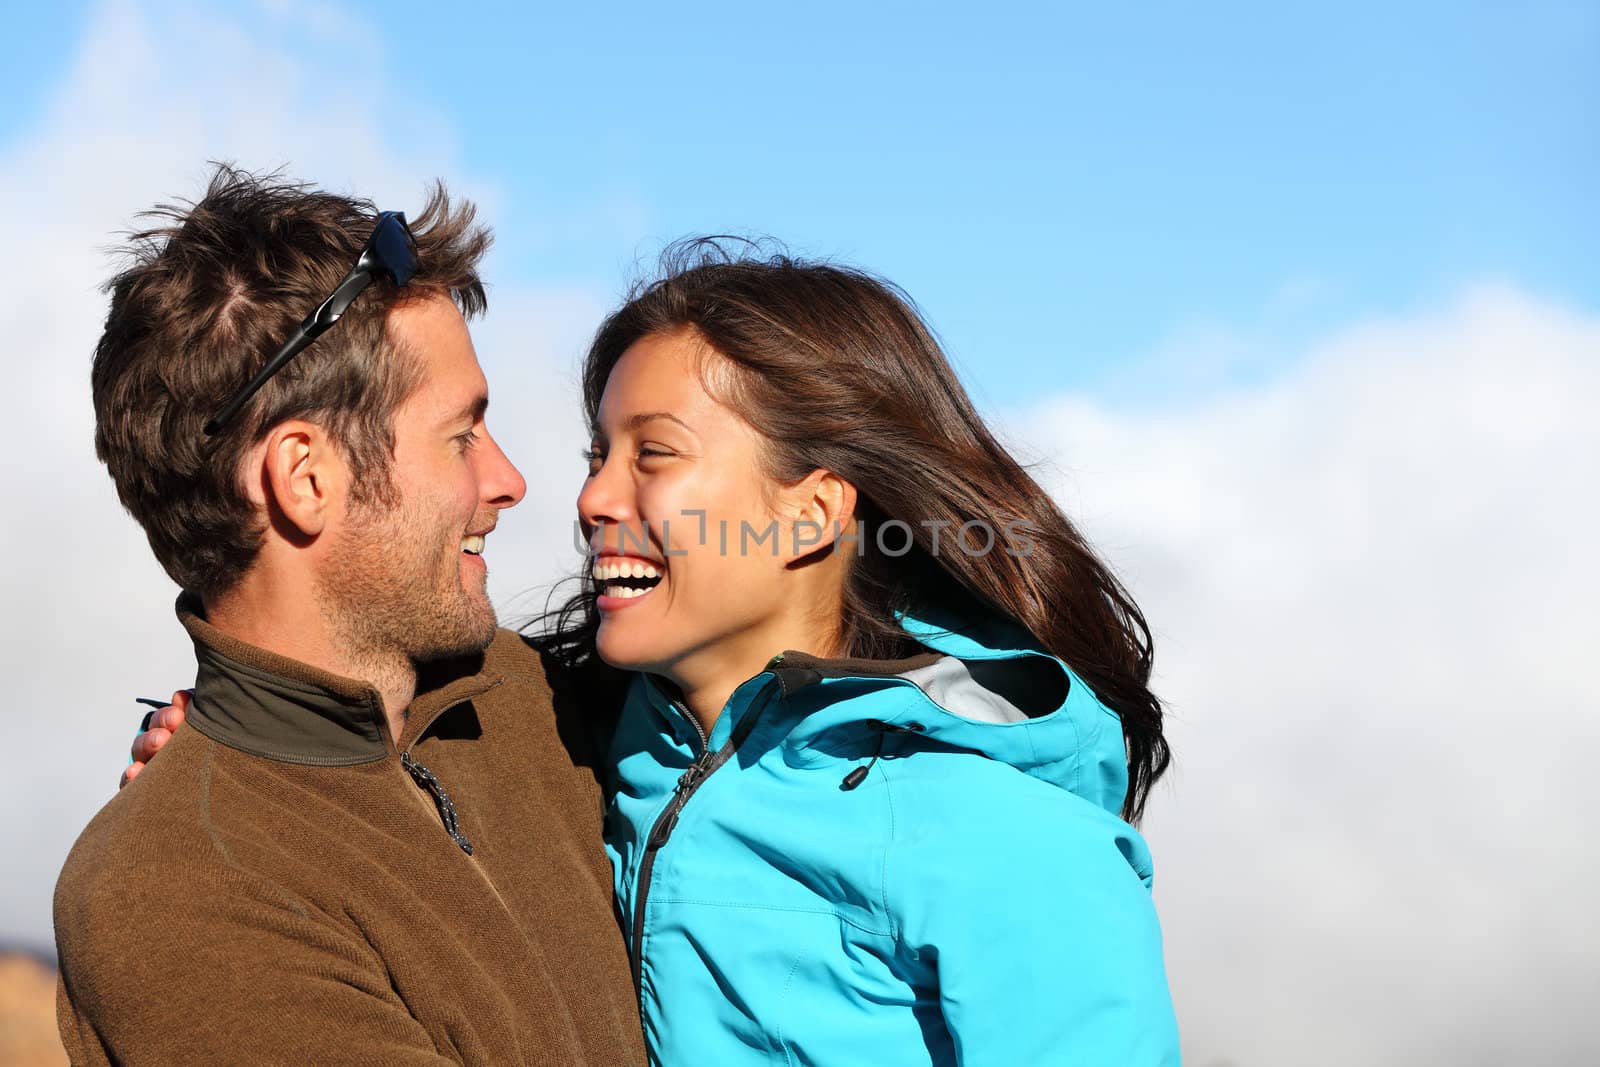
pixel 1064 190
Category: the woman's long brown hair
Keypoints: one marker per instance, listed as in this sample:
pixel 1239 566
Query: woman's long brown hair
pixel 836 370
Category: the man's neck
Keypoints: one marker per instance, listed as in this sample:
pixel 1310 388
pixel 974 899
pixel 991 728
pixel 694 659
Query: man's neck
pixel 290 623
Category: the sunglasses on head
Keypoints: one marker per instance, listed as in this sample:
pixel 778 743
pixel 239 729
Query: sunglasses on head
pixel 391 252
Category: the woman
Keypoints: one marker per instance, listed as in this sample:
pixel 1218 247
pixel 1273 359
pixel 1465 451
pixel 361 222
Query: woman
pixel 888 722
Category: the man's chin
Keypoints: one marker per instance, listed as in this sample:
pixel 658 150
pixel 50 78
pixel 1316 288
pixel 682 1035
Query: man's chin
pixel 442 650
pixel 464 637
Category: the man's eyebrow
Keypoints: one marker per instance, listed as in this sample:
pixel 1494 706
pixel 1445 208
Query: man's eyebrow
pixel 473 410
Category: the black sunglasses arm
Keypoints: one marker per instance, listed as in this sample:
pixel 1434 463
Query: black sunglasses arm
pixel 292 347
pixel 314 326
pixel 391 251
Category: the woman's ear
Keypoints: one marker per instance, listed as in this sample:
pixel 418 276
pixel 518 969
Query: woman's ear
pixel 821 510
pixel 295 473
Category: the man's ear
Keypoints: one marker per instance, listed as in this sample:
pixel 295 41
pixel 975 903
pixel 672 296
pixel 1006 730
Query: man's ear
pixel 296 475
pixel 821 508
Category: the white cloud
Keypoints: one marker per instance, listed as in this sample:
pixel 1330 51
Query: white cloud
pixel 151 96
pixel 1373 588
pixel 1368 579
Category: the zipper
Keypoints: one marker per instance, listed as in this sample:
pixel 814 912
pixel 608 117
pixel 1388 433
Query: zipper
pixel 447 809
pixel 429 782
pixel 661 830
pixel 699 731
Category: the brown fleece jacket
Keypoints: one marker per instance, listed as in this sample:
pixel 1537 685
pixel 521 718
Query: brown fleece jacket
pixel 286 885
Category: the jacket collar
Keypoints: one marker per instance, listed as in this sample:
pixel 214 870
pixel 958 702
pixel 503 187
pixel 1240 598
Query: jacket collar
pixel 983 685
pixel 984 667
pixel 280 709
pixel 942 637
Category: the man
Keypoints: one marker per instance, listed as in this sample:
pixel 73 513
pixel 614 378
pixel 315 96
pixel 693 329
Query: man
pixel 373 844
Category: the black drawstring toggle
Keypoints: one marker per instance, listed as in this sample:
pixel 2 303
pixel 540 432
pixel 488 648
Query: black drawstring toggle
pixel 447 810
pixel 859 775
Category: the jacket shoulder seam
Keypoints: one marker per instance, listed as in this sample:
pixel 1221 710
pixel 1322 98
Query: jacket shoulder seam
pixel 208 823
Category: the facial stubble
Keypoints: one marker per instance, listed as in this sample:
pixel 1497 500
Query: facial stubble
pixel 392 589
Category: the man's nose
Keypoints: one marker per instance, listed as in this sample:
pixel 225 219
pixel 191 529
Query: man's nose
pixel 503 485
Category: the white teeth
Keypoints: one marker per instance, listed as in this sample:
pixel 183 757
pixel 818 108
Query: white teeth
pixel 610 568
pixel 624 592
pixel 473 545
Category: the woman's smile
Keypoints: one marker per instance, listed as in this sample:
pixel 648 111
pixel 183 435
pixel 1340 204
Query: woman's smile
pixel 623 581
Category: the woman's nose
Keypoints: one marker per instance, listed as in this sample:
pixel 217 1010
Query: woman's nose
pixel 606 498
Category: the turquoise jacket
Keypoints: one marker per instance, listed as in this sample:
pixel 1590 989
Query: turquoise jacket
pixel 908 862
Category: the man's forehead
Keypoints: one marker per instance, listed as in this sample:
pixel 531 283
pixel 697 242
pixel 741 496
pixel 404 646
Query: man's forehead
pixel 451 384
pixel 452 398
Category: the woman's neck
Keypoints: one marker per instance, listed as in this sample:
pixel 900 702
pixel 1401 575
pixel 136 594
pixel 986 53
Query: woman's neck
pixel 706 679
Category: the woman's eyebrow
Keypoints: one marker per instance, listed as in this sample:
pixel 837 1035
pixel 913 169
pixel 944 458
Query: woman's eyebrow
pixel 633 422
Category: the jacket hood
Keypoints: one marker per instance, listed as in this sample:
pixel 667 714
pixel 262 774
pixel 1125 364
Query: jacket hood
pixel 983 686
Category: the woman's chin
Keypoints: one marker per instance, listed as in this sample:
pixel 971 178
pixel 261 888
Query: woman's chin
pixel 622 653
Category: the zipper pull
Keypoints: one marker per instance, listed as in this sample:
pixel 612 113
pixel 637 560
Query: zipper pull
pixel 680 793
pixel 696 771
pixel 664 829
pixel 447 810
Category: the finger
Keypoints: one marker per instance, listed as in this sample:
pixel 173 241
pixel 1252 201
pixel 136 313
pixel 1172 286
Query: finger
pixel 181 698
pixel 170 718
pixel 149 743
pixel 129 773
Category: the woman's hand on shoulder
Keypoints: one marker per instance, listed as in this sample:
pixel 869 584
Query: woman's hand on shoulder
pixel 157 732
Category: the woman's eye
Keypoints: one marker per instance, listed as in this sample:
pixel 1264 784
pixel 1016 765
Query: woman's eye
pixel 596 458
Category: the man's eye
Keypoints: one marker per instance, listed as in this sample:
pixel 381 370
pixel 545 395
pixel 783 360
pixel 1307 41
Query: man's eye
pixel 467 440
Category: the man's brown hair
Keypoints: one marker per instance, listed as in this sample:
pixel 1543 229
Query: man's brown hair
pixel 211 291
